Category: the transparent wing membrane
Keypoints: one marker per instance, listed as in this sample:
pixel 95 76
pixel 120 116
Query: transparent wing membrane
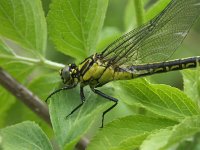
pixel 156 40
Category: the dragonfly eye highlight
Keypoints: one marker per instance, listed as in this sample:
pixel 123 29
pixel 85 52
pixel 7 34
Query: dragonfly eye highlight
pixel 65 74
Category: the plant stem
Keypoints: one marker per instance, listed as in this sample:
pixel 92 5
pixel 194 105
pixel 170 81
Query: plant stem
pixel 45 62
pixel 53 65
pixel 139 10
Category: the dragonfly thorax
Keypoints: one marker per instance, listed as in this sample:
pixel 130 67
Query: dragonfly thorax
pixel 69 74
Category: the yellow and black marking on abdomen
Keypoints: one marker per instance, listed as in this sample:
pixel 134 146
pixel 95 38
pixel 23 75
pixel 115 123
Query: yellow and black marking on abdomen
pixel 97 74
pixel 173 65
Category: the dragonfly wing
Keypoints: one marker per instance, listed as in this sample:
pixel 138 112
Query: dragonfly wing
pixel 156 40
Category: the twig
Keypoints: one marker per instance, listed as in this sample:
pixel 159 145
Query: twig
pixel 24 95
pixel 31 100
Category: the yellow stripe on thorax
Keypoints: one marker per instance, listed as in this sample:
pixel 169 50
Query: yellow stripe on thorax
pixel 93 72
pixel 84 65
pixel 107 75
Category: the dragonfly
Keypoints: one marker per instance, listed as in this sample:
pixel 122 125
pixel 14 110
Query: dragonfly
pixel 141 52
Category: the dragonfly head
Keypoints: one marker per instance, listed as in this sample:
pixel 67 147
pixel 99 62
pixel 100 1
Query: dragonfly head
pixel 69 74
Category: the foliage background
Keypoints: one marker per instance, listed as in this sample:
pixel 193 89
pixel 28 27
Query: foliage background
pixel 42 77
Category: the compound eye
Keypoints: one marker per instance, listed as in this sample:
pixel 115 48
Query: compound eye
pixel 65 74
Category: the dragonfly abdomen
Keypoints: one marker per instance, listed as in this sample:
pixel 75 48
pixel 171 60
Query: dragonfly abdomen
pixel 161 67
pixel 102 74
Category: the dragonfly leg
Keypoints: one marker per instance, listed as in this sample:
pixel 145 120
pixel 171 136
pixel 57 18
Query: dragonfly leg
pixel 82 102
pixel 110 99
pixel 58 90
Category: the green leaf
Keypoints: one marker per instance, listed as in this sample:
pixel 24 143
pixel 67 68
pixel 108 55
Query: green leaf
pixel 45 4
pixel 24 22
pixel 69 131
pixel 4 49
pixel 74 26
pixel 16 111
pixel 139 11
pixel 26 135
pixel 108 35
pixel 160 99
pixel 127 133
pixel 166 138
pixel 131 142
pixel 156 9
pixel 20 72
pixel 191 143
pixel 6 101
pixel 6 53
pixel 43 84
pixel 192 84
pixel 130 16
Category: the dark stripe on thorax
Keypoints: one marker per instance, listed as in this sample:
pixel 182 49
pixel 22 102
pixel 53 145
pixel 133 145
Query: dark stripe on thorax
pixel 88 64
